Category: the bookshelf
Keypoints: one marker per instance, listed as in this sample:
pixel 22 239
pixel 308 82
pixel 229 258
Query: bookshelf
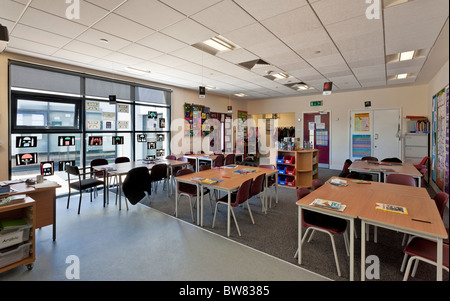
pixel 300 168
pixel 23 253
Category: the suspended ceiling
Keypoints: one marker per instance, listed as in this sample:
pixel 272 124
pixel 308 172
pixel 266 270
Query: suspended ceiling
pixel 347 42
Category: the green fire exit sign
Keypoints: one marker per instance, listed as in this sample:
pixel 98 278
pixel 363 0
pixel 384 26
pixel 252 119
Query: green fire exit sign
pixel 317 103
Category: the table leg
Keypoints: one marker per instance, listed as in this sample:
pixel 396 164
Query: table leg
pixel 439 260
pixel 228 213
pixel 200 217
pixel 299 248
pixel 176 199
pixel 419 182
pixel 363 250
pixel 276 188
pixel 352 249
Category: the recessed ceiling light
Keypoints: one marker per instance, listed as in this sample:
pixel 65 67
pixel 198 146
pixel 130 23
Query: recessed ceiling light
pixel 407 55
pixel 240 95
pixel 219 43
pixel 390 3
pixel 279 75
pixel 137 71
pixel 210 87
pixel 402 76
pixel 104 41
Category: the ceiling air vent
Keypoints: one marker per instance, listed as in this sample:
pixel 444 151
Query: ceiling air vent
pixel 255 63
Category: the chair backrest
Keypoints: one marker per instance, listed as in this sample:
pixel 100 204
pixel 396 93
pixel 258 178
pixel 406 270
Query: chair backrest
pixel 269 166
pixel 392 160
pixel 243 192
pixel 122 160
pixel 72 170
pixel 159 172
pixel 229 159
pixel 441 200
pixel 401 179
pixel 171 157
pixel 316 183
pixel 184 159
pixel 181 186
pixel 302 192
pixel 369 158
pixel 97 162
pixel 219 161
pixel 257 185
pixel 136 183
pixel 345 171
pixel 204 167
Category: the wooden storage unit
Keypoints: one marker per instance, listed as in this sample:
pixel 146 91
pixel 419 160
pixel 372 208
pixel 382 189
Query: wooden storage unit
pixel 306 164
pixel 24 210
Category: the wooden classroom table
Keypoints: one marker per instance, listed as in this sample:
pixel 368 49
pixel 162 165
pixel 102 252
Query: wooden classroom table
pixel 198 157
pixel 231 181
pixel 44 195
pixel 382 169
pixel 360 200
pixel 352 196
pixel 423 218
pixel 120 169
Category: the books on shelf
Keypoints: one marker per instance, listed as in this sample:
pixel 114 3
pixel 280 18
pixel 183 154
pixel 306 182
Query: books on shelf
pixel 12 199
pixel 391 208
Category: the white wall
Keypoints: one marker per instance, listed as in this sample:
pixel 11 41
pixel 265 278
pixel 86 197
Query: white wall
pixel 413 100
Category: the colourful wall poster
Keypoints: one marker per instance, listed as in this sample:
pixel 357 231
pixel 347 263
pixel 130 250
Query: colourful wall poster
pixel 361 146
pixel 322 137
pixel 440 140
pixel 362 122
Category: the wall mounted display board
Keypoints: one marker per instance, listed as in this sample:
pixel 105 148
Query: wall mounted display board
pixel 440 140
pixel 66 140
pixel 26 141
pixel 47 168
pixel 26 159
pixel 117 140
pixel 95 141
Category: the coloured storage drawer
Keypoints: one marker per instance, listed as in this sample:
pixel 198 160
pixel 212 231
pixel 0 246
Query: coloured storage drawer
pixel 281 170
pixel 10 237
pixel 290 181
pixel 280 159
pixel 289 159
pixel 290 170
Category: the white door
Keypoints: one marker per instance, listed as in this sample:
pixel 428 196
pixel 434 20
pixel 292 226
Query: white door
pixel 387 134
pixel 375 133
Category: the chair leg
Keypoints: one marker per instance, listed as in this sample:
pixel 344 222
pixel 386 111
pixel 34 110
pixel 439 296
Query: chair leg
pixel 250 212
pixel 68 199
pixel 190 206
pixel 405 260
pixel 79 203
pixel 335 255
pixel 235 221
pixel 215 213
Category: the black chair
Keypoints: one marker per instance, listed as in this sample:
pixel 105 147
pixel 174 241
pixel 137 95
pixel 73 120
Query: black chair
pixel 230 159
pixel 81 184
pixel 392 160
pixel 158 173
pixel 218 162
pixel 99 174
pixel 137 185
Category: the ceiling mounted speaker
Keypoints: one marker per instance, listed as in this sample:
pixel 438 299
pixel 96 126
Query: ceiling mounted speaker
pixel 4 37
pixel 327 87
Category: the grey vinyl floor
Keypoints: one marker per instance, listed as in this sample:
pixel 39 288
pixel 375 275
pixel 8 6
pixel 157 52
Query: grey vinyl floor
pixel 143 244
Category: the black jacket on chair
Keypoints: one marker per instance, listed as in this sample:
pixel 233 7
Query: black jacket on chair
pixel 136 183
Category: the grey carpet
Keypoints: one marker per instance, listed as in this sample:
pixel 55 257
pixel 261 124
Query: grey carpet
pixel 275 233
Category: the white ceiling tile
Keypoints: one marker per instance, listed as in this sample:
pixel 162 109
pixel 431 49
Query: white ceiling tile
pixel 106 4
pixel 123 58
pixel 48 22
pixel 333 11
pixel 223 17
pixel 189 31
pixel 88 13
pixel 121 27
pixel 33 47
pixel 190 7
pixel 140 51
pixel 74 56
pixel 87 49
pixel 10 10
pixel 151 13
pixel 162 42
pixel 37 35
pixel 238 56
pixel 263 9
pixel 94 37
